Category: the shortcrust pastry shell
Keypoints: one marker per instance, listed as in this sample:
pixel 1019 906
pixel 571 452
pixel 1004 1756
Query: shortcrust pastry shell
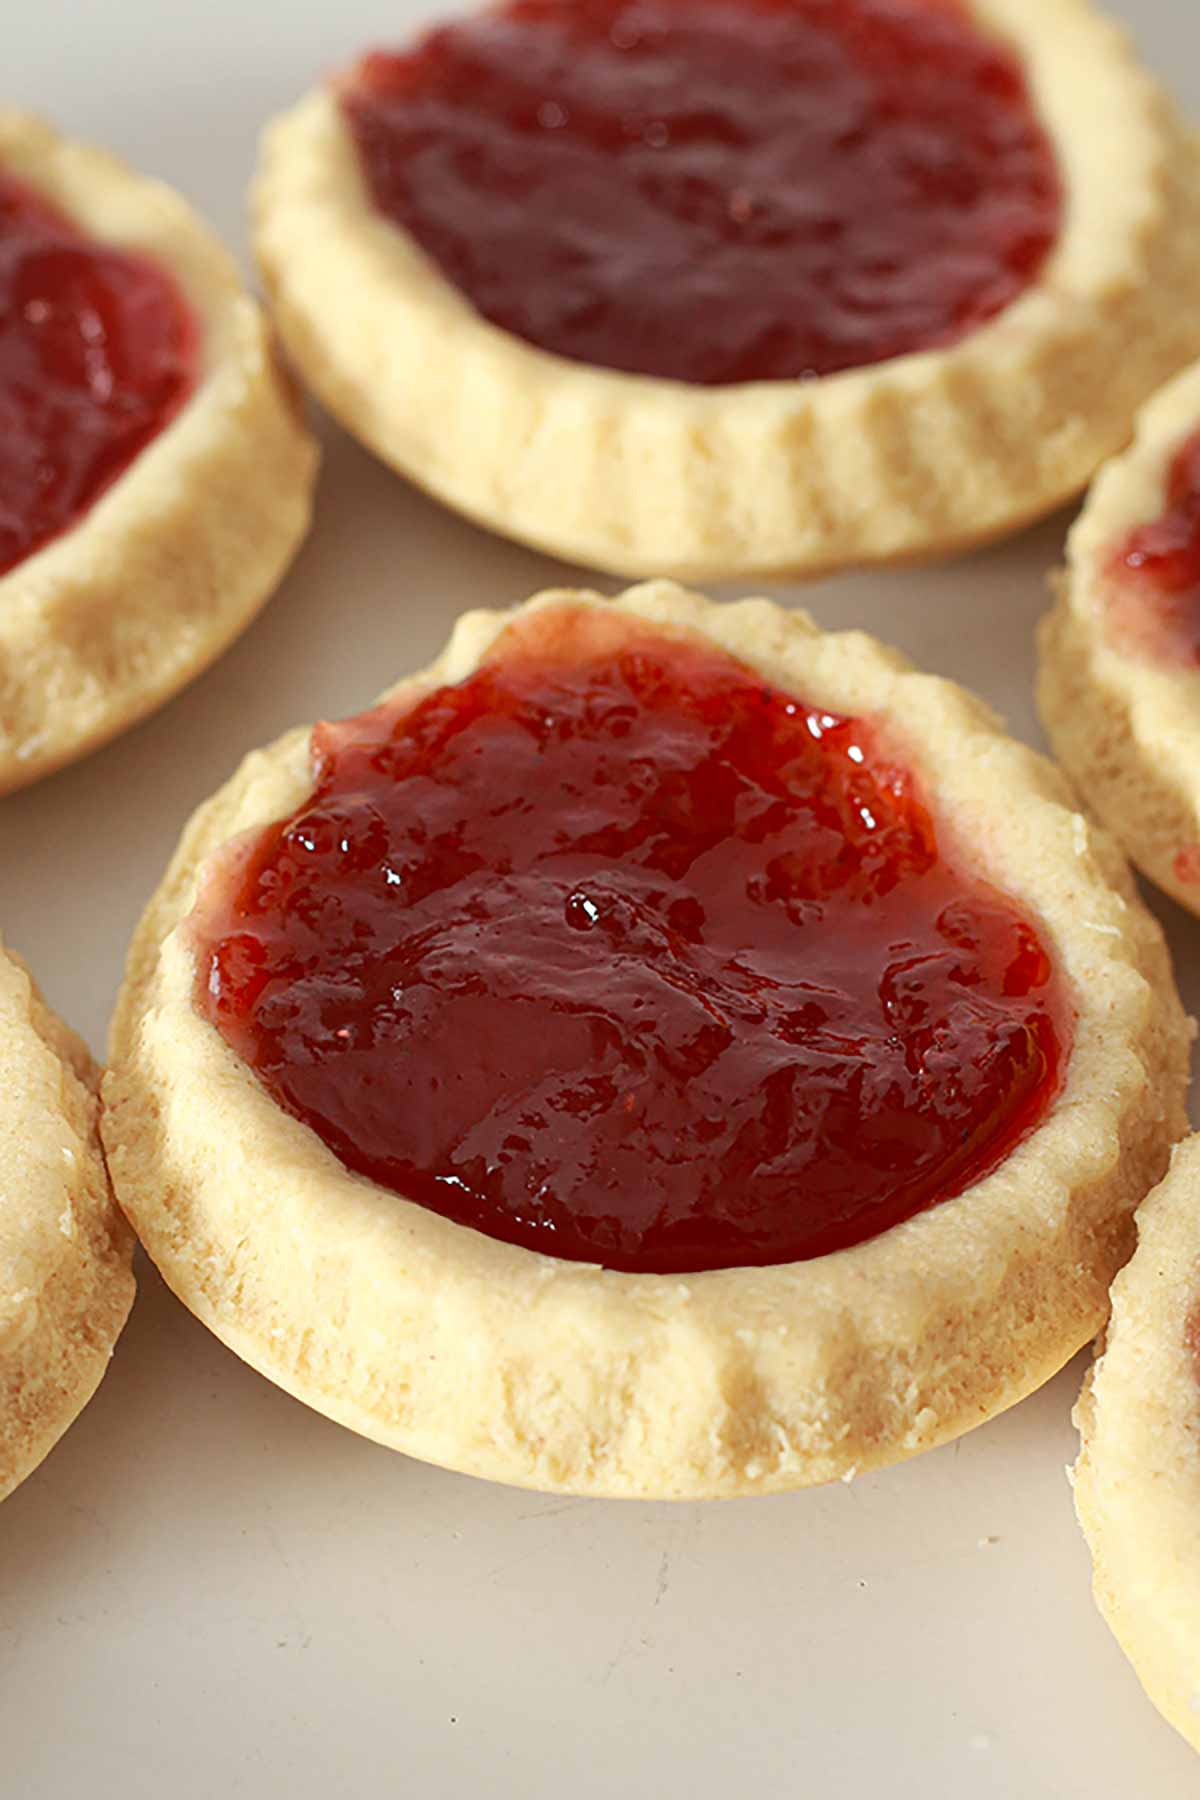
pixel 66 1282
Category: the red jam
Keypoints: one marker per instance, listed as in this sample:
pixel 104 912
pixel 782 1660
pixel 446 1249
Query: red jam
pixel 97 354
pixel 1154 602
pixel 615 952
pixel 715 190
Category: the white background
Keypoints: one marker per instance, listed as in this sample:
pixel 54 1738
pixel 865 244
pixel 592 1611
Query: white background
pixel 208 1590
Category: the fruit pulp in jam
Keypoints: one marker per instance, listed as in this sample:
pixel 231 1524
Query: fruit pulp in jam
pixel 615 951
pixel 715 191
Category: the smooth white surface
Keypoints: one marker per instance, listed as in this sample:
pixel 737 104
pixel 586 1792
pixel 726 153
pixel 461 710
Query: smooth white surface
pixel 208 1590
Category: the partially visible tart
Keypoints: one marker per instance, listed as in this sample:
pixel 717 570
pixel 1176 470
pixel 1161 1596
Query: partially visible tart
pixel 66 1283
pixel 658 1050
pixel 155 473
pixel 1119 655
pixel 719 286
pixel 1137 1481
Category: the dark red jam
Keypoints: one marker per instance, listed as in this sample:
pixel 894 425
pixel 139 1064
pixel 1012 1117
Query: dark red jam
pixel 715 190
pixel 97 354
pixel 618 953
pixel 1154 601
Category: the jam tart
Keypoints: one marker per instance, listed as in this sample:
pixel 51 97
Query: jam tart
pixel 659 1050
pixel 1137 1480
pixel 66 1281
pixel 1119 655
pixel 155 474
pixel 713 287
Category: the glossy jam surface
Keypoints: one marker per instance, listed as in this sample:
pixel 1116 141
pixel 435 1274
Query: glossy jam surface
pixel 715 190
pixel 97 354
pixel 614 952
pixel 1154 598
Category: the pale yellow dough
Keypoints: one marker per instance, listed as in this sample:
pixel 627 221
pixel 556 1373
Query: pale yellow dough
pixel 910 458
pixel 1137 1481
pixel 1126 728
pixel 440 1341
pixel 66 1283
pixel 172 562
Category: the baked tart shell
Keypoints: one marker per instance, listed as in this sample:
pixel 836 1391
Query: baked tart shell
pixel 66 1282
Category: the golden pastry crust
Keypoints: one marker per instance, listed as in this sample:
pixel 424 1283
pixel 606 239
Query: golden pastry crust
pixel 167 567
pixel 1126 728
pixel 502 1362
pixel 66 1282
pixel 1137 1481
pixel 918 456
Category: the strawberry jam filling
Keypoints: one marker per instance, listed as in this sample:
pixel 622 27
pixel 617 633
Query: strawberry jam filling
pixel 715 190
pixel 616 952
pixel 1154 597
pixel 97 354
